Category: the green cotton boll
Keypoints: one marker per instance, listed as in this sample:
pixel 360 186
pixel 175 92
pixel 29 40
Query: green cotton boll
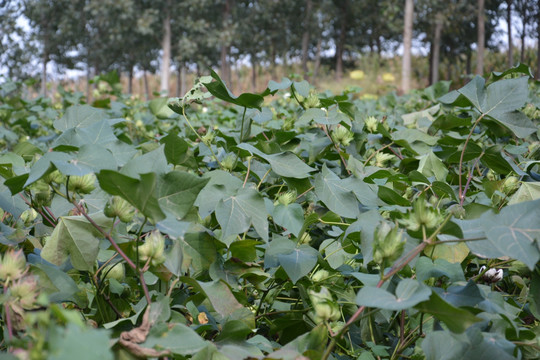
pixel 287 198
pixel 388 244
pixel 510 185
pixel 229 162
pixel 371 124
pixel 342 136
pixel 82 184
pixel 120 208
pixel 115 271
pixel 12 265
pixel 312 101
pixel 153 249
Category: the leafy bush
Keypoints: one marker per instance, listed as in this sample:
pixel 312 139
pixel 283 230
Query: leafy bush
pixel 284 225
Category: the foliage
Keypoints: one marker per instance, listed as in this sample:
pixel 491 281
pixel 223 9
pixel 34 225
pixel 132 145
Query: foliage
pixel 282 225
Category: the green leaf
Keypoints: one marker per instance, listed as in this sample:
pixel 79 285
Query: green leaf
pixel 291 217
pixel 220 90
pixel 221 184
pixel 75 342
pixel 457 320
pixel 468 295
pixel 175 149
pixel 59 286
pixel 220 296
pixel 79 116
pixel 179 339
pixel 236 213
pixel 513 232
pixel 176 192
pixel 426 268
pixel 391 197
pixel 285 164
pixel 76 238
pixel 500 101
pixel 151 162
pixel 431 165
pixel 441 345
pixel 335 194
pixel 299 262
pixel 408 293
pixel 139 193
pixel 159 108
pixel 528 191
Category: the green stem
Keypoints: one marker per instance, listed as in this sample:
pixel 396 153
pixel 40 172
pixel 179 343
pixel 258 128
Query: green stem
pixel 461 194
pixel 242 126
pixel 394 270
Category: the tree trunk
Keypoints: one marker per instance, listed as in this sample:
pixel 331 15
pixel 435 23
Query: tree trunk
pixel 522 55
pixel 225 69
pixel 183 75
pixel 436 48
pixel 407 44
pixel 146 87
pixel 538 43
pixel 166 47
pixel 430 76
pixel 305 38
pixel 88 83
pixel 273 60
pixel 45 60
pixel 130 80
pixel 510 42
pixel 481 38
pixel 468 66
pixel 340 45
pixel 253 73
pixel 317 64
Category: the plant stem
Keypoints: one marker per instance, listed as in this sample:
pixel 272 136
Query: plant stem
pixel 400 264
pixel 469 178
pixel 242 126
pixel 117 248
pixel 461 195
pixel 247 173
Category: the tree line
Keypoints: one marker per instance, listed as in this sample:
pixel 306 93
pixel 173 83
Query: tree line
pixel 160 36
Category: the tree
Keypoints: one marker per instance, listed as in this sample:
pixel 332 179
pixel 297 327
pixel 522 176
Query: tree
pixel 16 49
pixel 305 36
pixel 481 38
pixel 166 48
pixel 526 12
pixel 407 44
pixel 510 40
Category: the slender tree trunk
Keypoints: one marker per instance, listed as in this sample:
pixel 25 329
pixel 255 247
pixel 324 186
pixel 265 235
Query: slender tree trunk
pixel 468 65
pixel 340 47
pixel 407 44
pixel 510 40
pixel 481 38
pixel 178 81
pixel 437 48
pixel 45 60
pixel 253 73
pixel 166 47
pixel 88 75
pixel 305 38
pixel 522 55
pixel 183 75
pixel 130 80
pixel 146 86
pixel 317 64
pixel 225 69
pixel 273 60
pixel 538 43
pixel 430 76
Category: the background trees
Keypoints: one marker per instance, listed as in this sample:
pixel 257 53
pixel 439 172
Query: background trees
pixel 137 37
